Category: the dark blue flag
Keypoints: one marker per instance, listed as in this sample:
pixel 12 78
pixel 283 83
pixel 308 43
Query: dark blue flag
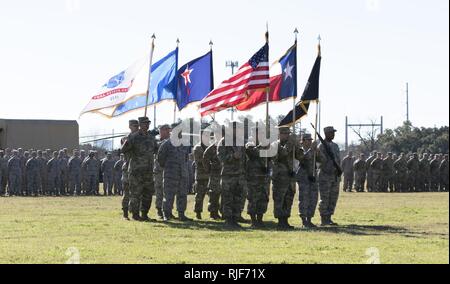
pixel 195 80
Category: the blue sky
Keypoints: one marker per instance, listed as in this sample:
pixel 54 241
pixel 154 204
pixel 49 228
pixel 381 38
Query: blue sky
pixel 55 54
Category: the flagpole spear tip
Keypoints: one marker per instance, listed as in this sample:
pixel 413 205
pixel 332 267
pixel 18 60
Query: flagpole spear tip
pixel 178 41
pixel 211 43
pixel 296 33
pixel 153 36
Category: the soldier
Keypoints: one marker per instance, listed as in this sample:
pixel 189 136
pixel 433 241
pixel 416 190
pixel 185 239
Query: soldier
pixel 369 160
pixel 62 167
pixel 413 171
pixel 201 176
pixel 97 176
pixel 118 189
pixel 306 179
pixel 141 147
pixel 53 176
pixel 82 173
pixel 328 177
pixel 74 169
pixel 107 169
pixel 400 173
pixel 283 176
pixel 258 182
pixel 388 173
pixel 443 169
pixel 213 167
pixel 359 168
pixel 377 172
pixel 3 171
pixel 43 171
pixel 172 160
pixel 133 125
pixel 347 167
pixel 434 173
pixel 90 167
pixel 14 174
pixel 232 176
pixel 33 175
pixel 424 164
pixel 164 134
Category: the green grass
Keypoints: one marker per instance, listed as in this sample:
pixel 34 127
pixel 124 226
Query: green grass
pixel 404 228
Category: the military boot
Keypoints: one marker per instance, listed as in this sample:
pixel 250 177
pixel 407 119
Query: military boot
pixel 145 218
pixel 160 213
pixel 324 220
pixel 125 214
pixel 235 221
pixel 283 224
pixel 136 217
pixel 311 224
pixel 288 226
pixel 198 215
pixel 214 216
pixel 183 218
pixel 259 220
pixel 241 219
pixel 305 222
pixel 330 222
pixel 254 221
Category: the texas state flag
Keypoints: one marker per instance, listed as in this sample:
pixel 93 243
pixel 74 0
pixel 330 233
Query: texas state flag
pixel 195 80
pixel 283 82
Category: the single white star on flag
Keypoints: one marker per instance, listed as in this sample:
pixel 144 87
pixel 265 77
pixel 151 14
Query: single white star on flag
pixel 288 71
pixel 187 75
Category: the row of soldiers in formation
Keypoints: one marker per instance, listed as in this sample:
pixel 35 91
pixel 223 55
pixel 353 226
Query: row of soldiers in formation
pixel 33 173
pixel 230 176
pixel 392 173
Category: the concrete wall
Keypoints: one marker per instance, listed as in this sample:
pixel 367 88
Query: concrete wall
pixel 39 134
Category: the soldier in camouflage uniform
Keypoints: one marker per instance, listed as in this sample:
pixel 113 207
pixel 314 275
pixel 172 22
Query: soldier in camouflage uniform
pixel 33 175
pixel 141 147
pixel 443 169
pixel 258 182
pixel 359 168
pixel 347 167
pixel 201 177
pixel 43 170
pixel 134 128
pixel 173 159
pixel 328 178
pixel 82 172
pixel 118 190
pixel 388 173
pixel 23 160
pixel 400 174
pixel 232 176
pixel 424 176
pixel 107 169
pixel 413 165
pixel 377 173
pixel 434 173
pixel 14 174
pixel 164 134
pixel 74 169
pixel 283 176
pixel 306 179
pixel 53 177
pixel 91 169
pixel 62 165
pixel 213 167
pixel 369 161
pixel 3 172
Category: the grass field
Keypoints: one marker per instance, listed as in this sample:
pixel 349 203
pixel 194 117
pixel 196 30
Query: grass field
pixel 391 228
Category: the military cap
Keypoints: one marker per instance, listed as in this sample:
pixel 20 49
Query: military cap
pixel 174 125
pixel 306 136
pixel 285 130
pixel 165 126
pixel 205 126
pixel 133 122
pixel 329 129
pixel 144 120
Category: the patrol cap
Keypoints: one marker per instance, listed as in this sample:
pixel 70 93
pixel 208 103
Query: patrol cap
pixel 285 130
pixel 165 126
pixel 306 136
pixel 329 129
pixel 143 120
pixel 133 122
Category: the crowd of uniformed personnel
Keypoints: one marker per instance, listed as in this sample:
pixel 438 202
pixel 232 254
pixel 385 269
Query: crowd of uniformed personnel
pixel 391 173
pixel 231 175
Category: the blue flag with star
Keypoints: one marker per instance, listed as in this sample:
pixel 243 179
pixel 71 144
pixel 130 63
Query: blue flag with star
pixel 163 85
pixel 289 74
pixel 195 80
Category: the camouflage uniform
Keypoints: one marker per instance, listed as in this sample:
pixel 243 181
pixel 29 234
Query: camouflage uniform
pixel 413 171
pixel 33 175
pixel 443 169
pixel 91 169
pixel 424 173
pixel 53 177
pixel 107 169
pixel 401 174
pixel 347 167
pixel 140 147
pixel 369 172
pixel 328 180
pixel 118 189
pixel 359 167
pixel 434 173
pixel 3 172
pixel 43 171
pixel 377 173
pixel 388 173
pixel 62 165
pixel 74 170
pixel 213 166
pixel 14 175
pixel 201 178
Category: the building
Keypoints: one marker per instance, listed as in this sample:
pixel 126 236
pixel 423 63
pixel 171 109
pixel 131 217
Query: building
pixel 39 134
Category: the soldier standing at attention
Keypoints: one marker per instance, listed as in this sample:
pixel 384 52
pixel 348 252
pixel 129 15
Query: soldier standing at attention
pixel 33 175
pixel 43 170
pixel 3 170
pixel 213 167
pixel 307 186
pixel 90 167
pixel 14 174
pixel 133 125
pixel 388 173
pixel 434 173
pixel 62 169
pixel 82 172
pixel 328 177
pixel 377 171
pixel 232 176
pixel 53 174
pixel 443 169
pixel 118 175
pixel 425 172
pixel 173 159
pixel 107 169
pixel 201 176
pixel 359 167
pixel 141 147
pixel 347 167
pixel 400 173
pixel 74 170
pixel 369 161
pixel 413 171
pixel 164 134
pixel 283 176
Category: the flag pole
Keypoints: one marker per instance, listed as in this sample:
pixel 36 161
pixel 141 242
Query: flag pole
pixel 267 98
pixel 293 104
pixel 175 102
pixel 317 112
pixel 149 74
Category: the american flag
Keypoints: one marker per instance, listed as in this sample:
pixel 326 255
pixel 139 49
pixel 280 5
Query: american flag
pixel 251 76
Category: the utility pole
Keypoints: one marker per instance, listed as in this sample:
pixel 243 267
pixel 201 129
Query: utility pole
pixel 407 102
pixel 232 65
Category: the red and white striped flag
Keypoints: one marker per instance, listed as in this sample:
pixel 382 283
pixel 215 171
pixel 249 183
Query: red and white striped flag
pixel 251 76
